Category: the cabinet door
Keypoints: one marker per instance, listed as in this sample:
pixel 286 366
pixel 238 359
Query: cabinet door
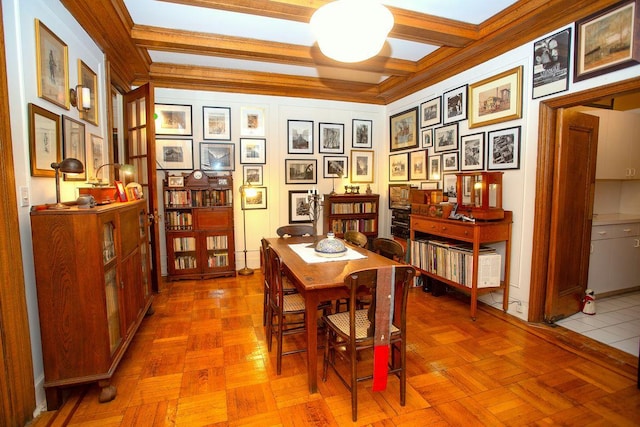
pixel 216 248
pixel 182 251
pixel 132 292
pixel 614 264
pixel 112 298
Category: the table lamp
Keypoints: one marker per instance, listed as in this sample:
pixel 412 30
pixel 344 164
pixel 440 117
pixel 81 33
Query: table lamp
pixel 68 165
pixel 127 169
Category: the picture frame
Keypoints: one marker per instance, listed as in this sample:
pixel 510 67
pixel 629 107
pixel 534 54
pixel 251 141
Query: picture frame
pixel 122 193
pixel 301 171
pixel 398 167
pixel 503 149
pixel 335 167
pixel 450 162
pixel 449 183
pixel 445 138
pixel 44 141
pixel 607 41
pixel 74 145
pixel 299 207
pixel 496 99
pixel 403 128
pixel 252 121
pixel 431 112
pixel 216 123
pixel 173 119
pixel 175 181
pixel 97 156
pixel 362 166
pixel 551 56
pixel 255 201
pixel 174 154
pixel 253 151
pixel 435 168
pixel 362 133
pixel 89 79
pixel 418 165
pixel 300 136
pixel 472 149
pixel 331 138
pixel 426 136
pixel 399 195
pixel 429 185
pixel 217 156
pixel 455 105
pixel 52 66
pixel 252 174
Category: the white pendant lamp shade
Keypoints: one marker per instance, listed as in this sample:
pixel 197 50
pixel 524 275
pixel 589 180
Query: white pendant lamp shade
pixel 351 30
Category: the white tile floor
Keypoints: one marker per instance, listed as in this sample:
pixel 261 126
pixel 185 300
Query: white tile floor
pixel 616 322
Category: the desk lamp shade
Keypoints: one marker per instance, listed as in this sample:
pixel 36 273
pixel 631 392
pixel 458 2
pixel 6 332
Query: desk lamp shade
pixel 68 165
pixel 126 169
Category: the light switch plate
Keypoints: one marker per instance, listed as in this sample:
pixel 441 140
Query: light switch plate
pixel 24 196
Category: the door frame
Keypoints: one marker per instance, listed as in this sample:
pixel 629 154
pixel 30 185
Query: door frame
pixel 547 144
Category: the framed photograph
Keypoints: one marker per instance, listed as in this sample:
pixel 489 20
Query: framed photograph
pixel 174 154
pixel 504 149
pixel 252 121
pixel 445 138
pixel 399 195
pixel 398 167
pixel 331 138
pixel 44 141
pixel 472 152
pixel 253 150
pixel 607 41
pixel 335 167
pixel 496 99
pixel 449 182
pixel 426 135
pixel 175 181
pixel 450 162
pixel 431 112
pixel 298 207
pixel 404 130
pixel 455 105
pixel 89 79
pixel 300 171
pixel 362 133
pixel 216 123
pixel 122 193
pixel 435 170
pixel 428 185
pixel 217 156
pixel 252 175
pixel 52 58
pixel 97 156
pixel 362 165
pixel 300 136
pixel 257 200
pixel 74 145
pixel 551 64
pixel 418 165
pixel 173 119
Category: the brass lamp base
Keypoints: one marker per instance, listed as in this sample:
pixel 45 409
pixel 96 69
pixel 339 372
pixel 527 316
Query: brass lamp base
pixel 245 271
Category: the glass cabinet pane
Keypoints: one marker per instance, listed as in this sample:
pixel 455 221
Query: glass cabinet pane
pixel 108 243
pixel 184 250
pixel 113 312
pixel 217 251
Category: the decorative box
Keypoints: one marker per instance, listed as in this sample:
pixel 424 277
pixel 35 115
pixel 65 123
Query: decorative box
pixel 480 195
pixel 103 195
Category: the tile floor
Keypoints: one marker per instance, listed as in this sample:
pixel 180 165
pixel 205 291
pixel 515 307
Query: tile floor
pixel 616 322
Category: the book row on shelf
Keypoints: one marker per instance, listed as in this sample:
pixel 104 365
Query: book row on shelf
pixel 176 220
pixel 217 242
pixel 218 260
pixel 454 261
pixel 339 226
pixel 185 262
pixel 197 198
pixel 353 208
pixel 181 244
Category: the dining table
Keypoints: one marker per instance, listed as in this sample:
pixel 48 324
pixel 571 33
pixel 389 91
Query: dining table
pixel 320 278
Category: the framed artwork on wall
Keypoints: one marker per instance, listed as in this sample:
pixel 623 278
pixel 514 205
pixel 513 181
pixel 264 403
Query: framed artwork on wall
pixel 252 121
pixel 253 150
pixel 431 112
pixel 504 149
pixel 298 207
pixel 398 167
pixel 427 137
pixel 496 99
pixel 216 123
pixel 445 138
pixel 252 174
pixel 608 40
pixel 362 133
pixel 300 171
pixel 551 64
pixel 331 138
pixel 450 162
pixel 449 182
pixel 74 145
pixel 472 152
pixel 173 119
pixel 455 105
pixel 418 165
pixel 403 128
pixel 362 166
pixel 300 136
pixel 97 157
pixel 217 156
pixel 89 79
pixel 435 171
pixel 174 154
pixel 257 200
pixel 44 141
pixel 335 167
pixel 52 58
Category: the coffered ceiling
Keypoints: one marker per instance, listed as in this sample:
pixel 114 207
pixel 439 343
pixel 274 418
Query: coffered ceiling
pixel 267 47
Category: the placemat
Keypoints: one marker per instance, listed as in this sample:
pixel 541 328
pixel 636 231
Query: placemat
pixel 309 255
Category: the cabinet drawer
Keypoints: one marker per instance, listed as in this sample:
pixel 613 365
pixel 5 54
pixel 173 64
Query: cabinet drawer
pixel 213 218
pixel 615 231
pixel 444 229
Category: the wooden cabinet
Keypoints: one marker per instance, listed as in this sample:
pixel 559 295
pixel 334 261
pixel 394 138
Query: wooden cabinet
pixel 94 289
pixel 343 212
pixel 478 233
pixel 199 226
pixel 614 263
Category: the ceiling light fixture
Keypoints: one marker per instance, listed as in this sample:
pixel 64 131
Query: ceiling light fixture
pixel 351 30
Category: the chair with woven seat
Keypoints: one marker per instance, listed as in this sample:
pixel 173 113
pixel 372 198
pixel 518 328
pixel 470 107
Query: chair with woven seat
pixel 287 286
pixel 381 327
pixel 295 230
pixel 356 238
pixel 388 248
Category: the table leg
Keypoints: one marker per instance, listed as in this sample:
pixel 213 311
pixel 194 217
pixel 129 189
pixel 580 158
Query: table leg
pixel 311 319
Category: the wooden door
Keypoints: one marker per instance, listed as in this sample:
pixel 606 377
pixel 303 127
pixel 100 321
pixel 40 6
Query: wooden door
pixel 571 213
pixel 141 152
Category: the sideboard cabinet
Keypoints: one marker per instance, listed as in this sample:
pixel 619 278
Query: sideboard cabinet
pixel 93 282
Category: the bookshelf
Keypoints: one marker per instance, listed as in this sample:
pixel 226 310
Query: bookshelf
pixel 343 212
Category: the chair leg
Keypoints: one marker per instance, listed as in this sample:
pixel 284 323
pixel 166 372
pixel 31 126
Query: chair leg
pixel 279 348
pixel 325 361
pixel 265 304
pixel 354 386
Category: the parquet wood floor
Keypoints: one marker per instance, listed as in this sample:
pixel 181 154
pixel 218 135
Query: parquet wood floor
pixel 202 360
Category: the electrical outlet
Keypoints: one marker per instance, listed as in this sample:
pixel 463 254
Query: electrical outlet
pixel 24 196
pixel 519 307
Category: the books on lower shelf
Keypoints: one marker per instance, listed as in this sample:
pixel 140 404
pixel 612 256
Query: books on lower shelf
pixel 454 261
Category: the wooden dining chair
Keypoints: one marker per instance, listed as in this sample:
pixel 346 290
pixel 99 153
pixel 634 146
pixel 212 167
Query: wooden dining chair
pixel 388 248
pixel 381 327
pixel 287 286
pixel 295 230
pixel 356 238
